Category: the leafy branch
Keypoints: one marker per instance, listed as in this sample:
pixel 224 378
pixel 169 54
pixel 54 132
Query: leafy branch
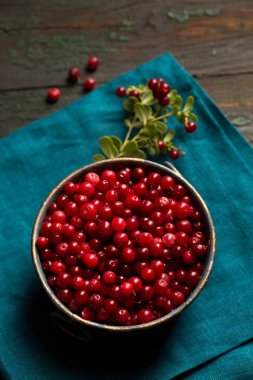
pixel 149 107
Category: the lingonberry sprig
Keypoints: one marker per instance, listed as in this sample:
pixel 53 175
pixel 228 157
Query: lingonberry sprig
pixel 149 107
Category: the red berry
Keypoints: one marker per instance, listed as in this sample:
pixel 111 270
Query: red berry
pixel 174 154
pixel 164 101
pixel 153 83
pixel 128 255
pixel 182 210
pixel 168 240
pixel 89 83
pixel 90 260
pixel 53 95
pixel 88 211
pixel 178 298
pixel 126 289
pixel 58 267
pixel 74 74
pixel 109 277
pixel 145 316
pixel 134 94
pixel 92 63
pixel 190 127
pixel 121 91
pixel 161 145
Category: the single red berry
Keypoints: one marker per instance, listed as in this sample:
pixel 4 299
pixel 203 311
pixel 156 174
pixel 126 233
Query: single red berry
pixel 74 74
pixel 178 298
pixel 182 210
pixel 145 239
pixel 121 239
pixel 134 94
pixel 70 188
pixel 42 242
pixel 89 83
pixel 190 127
pixel 192 278
pixel 188 258
pixel 153 83
pixel 128 255
pixel 174 154
pixel 136 282
pixel 164 101
pixel 148 274
pixel 64 295
pixel 58 267
pixel 78 283
pixel 161 286
pixel 168 240
pixel 126 289
pixel 145 316
pixel 88 314
pixel 121 91
pixel 104 230
pixel 109 176
pixel 53 95
pixel 138 174
pixel 96 301
pixel 109 277
pixel 88 211
pixel 63 280
pixel 121 315
pixel 90 260
pixel 161 145
pixel 59 216
pixel 92 63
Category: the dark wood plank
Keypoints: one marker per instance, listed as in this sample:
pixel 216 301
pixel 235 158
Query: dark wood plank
pixel 41 39
pixel 232 93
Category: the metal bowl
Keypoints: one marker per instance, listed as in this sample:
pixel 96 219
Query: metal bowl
pixel 73 323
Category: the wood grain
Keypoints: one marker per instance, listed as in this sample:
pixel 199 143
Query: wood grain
pixel 40 39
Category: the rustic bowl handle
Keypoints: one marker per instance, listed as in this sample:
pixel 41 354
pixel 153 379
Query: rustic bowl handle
pixel 172 167
pixel 70 327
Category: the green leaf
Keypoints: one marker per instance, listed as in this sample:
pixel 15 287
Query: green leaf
pixel 98 157
pixel 189 103
pixel 143 113
pixel 194 117
pixel 169 136
pixel 172 93
pixel 178 100
pixel 130 148
pixel 128 104
pixel 152 151
pixel 128 123
pixel 147 98
pixel 176 109
pixel 161 127
pixel 180 116
pixel 116 141
pixel 107 146
pixel 140 154
pixel 146 132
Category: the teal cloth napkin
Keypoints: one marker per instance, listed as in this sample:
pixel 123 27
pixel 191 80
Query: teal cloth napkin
pixel 209 340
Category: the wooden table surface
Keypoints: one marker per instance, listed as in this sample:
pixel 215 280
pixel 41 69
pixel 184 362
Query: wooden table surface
pixel 41 39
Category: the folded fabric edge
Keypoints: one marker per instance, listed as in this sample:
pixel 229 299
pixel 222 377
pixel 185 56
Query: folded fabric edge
pixel 190 371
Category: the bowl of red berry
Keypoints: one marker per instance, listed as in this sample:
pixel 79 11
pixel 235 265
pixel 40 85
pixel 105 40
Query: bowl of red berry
pixel 123 245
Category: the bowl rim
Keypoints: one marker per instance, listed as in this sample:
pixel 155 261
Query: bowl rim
pixel 169 169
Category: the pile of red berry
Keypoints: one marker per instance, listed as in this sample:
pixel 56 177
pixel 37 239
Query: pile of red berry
pixel 123 248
